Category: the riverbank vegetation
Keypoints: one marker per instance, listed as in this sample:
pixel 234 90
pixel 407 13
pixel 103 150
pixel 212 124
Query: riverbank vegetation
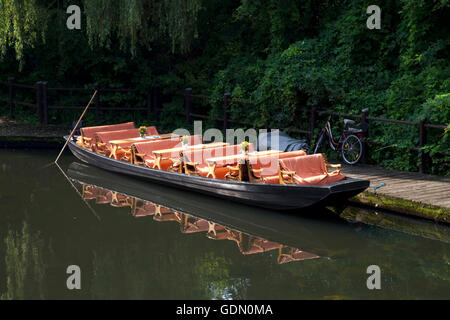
pixel 284 56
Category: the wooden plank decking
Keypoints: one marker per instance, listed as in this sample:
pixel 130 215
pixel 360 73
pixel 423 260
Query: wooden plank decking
pixel 411 186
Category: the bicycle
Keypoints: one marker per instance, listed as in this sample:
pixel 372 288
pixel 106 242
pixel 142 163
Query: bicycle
pixel 350 143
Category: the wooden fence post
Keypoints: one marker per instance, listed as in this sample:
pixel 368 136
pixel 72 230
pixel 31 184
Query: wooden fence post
pixel 188 106
pixel 226 105
pixel 312 123
pixel 365 124
pixel 97 102
pixel 422 142
pixel 11 98
pixel 39 102
pixel 44 86
pixel 156 102
pixel 149 104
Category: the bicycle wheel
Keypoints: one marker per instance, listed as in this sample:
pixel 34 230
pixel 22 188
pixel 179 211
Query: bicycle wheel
pixel 319 142
pixel 352 149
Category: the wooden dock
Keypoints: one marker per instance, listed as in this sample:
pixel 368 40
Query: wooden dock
pixel 412 193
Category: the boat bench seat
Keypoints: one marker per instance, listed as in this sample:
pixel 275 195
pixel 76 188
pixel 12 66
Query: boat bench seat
pixel 106 136
pixel 127 145
pixel 102 139
pixel 142 152
pixel 87 133
pixel 308 170
pixel 151 131
pixel 264 168
pixel 196 163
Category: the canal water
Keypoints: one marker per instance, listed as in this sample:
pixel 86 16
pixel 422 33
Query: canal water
pixel 136 240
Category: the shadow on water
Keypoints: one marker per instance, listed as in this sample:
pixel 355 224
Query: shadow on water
pixel 135 240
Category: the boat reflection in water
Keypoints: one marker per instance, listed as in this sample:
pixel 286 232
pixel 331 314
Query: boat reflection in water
pixel 139 208
pixel 316 230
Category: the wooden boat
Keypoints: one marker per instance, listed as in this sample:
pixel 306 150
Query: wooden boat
pixel 266 195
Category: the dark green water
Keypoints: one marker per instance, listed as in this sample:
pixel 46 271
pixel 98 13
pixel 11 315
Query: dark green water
pixel 127 251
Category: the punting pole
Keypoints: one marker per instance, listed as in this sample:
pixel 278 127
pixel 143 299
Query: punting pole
pixel 84 200
pixel 76 126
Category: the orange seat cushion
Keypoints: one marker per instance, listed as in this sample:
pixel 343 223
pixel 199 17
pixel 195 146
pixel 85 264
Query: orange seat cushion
pixel 200 156
pixel 222 151
pixel 272 179
pixel 164 163
pixel 106 136
pixel 89 132
pixel 269 163
pixel 148 147
pixel 219 172
pixel 311 170
pixel 151 131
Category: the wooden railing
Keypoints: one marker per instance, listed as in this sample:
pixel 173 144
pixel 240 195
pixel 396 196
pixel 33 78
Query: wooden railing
pixel 42 106
pixel 154 107
pixel 314 113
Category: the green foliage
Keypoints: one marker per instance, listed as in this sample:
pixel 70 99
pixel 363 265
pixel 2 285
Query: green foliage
pixel 436 109
pixel 141 22
pixel 214 276
pixel 26 268
pixel 21 22
pixel 170 119
pixel 284 56
pixel 345 67
pixel 132 22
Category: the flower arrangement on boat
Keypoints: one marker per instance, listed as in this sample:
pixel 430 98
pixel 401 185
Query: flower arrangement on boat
pixel 143 131
pixel 244 146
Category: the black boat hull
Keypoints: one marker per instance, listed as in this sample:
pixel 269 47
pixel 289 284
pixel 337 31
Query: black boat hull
pixel 272 196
